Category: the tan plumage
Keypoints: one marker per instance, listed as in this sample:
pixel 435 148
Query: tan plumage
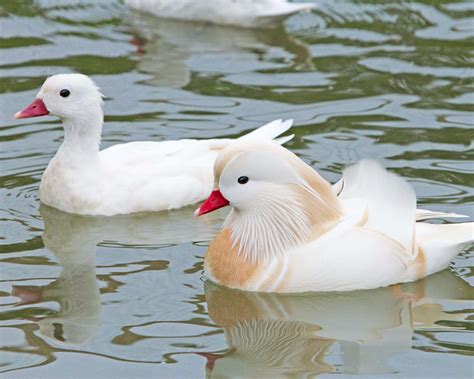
pixel 299 233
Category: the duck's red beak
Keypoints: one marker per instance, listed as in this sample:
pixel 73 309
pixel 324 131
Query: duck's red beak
pixel 35 109
pixel 215 201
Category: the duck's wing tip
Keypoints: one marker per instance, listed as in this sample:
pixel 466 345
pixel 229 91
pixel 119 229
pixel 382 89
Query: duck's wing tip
pixel 270 131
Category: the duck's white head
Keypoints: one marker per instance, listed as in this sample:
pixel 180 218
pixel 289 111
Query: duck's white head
pixel 66 96
pixel 77 100
pixel 278 201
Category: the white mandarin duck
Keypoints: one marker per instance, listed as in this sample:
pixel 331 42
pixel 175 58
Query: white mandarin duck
pixel 289 231
pixel 241 13
pixel 126 178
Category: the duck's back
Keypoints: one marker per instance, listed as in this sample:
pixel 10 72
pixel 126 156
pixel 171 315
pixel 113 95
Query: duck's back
pixel 154 176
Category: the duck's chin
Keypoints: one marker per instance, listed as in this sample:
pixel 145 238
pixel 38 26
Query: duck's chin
pixel 273 223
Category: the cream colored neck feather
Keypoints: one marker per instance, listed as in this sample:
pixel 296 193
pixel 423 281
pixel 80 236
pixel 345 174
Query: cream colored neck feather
pixel 278 219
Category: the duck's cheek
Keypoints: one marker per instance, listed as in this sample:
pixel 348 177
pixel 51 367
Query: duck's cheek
pixel 239 205
pixel 240 196
pixel 58 107
pixel 52 109
pixel 231 197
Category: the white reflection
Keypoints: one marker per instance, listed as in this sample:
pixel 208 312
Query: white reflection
pixel 73 239
pixel 273 335
pixel 171 50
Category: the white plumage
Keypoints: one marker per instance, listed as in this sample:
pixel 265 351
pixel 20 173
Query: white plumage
pixel 362 233
pixel 241 13
pixel 125 178
pixel 377 241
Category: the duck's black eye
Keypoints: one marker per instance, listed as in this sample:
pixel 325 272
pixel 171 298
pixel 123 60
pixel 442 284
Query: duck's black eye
pixel 64 93
pixel 243 179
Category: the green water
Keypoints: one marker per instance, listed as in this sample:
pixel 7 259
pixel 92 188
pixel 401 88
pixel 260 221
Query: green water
pixel 125 296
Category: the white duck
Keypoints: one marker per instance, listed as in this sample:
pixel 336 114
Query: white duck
pixel 125 178
pixel 288 231
pixel 241 13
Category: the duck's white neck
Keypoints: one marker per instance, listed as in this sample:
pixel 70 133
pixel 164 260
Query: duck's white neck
pixel 82 135
pixel 273 223
pixel 280 218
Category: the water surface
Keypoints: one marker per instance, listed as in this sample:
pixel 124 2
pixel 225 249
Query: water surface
pixel 125 296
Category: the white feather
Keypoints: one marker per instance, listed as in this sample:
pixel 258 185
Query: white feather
pixel 390 201
pixel 442 242
pixel 276 222
pixel 376 241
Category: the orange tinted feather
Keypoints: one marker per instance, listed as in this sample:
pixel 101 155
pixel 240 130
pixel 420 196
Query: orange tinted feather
pixel 226 265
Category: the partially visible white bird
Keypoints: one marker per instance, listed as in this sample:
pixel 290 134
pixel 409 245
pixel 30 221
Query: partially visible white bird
pixel 126 178
pixel 241 13
pixel 288 231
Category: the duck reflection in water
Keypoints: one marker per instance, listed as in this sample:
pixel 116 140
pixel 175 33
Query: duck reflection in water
pixel 73 239
pixel 76 290
pixel 166 48
pixel 274 335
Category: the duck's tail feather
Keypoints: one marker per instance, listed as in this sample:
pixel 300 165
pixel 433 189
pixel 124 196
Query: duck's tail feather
pixel 284 139
pixel 424 214
pixel 390 201
pixel 270 131
pixel 440 243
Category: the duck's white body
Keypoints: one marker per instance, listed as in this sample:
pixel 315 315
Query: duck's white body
pixel 309 239
pixel 354 256
pixel 128 178
pixel 241 13
pixel 125 178
pixel 136 176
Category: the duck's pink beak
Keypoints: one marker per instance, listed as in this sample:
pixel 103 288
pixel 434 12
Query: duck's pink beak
pixel 35 109
pixel 215 201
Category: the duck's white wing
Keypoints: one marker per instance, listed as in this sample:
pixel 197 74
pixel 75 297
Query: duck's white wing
pixel 379 242
pixel 440 243
pixel 141 151
pixel 420 214
pixel 392 211
pixel 372 246
pixel 346 258
pixel 390 201
pixel 153 176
